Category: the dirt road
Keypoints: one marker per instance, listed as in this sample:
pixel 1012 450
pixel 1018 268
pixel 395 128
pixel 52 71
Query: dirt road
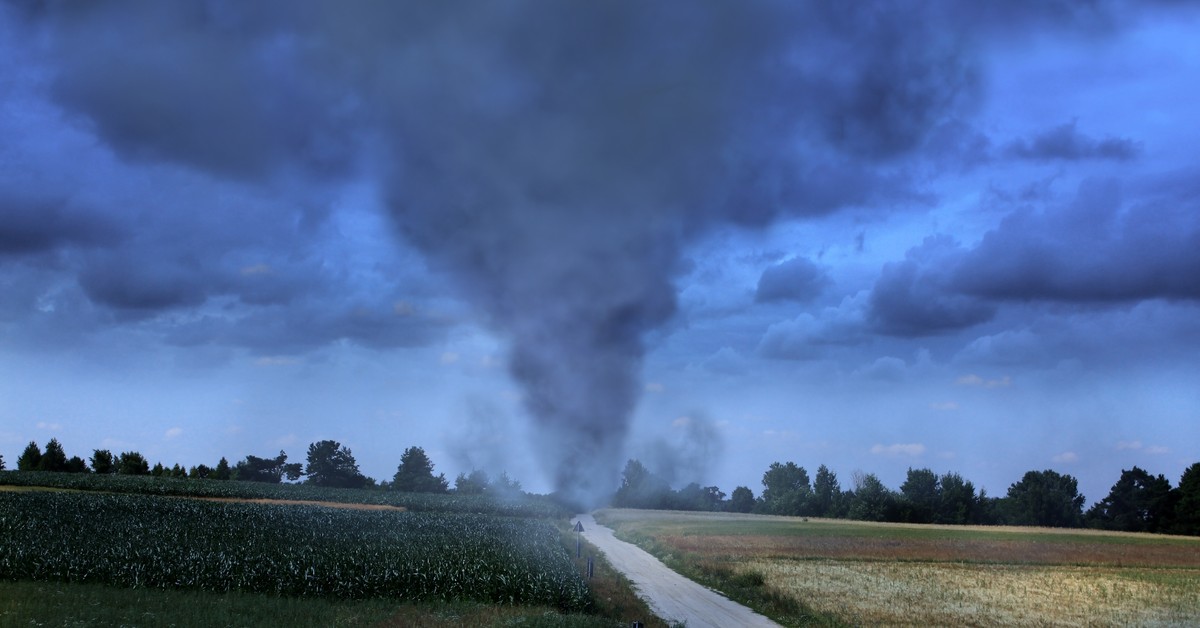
pixel 670 595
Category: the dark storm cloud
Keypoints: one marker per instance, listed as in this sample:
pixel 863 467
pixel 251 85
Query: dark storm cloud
pixel 310 325
pixel 33 224
pixel 797 279
pixel 914 297
pixel 1065 142
pixel 1097 248
pixel 185 83
pixel 554 158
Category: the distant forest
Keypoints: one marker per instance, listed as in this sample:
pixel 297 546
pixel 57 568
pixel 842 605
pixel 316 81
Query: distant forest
pixel 328 464
pixel 1137 502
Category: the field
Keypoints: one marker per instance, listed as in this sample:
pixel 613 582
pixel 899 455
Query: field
pixel 843 572
pixel 82 555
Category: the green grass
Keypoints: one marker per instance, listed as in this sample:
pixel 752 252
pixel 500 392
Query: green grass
pixel 713 524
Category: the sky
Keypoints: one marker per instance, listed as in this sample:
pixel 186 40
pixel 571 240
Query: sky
pixel 545 237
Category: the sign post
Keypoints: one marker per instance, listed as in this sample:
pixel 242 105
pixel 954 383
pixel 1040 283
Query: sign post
pixel 578 539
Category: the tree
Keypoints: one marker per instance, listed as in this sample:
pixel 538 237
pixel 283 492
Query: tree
pixel 921 494
pixel 1 462
pixel 54 458
pixel 199 472
pixel 132 463
pixel 102 461
pixel 696 497
pixel 474 484
pixel 505 486
pixel 1138 502
pixel 178 471
pixel 331 464
pixel 158 470
pixel 957 502
pixel 1045 498
pixel 1187 502
pixel 742 500
pixel 641 488
pixel 826 497
pixel 269 470
pixel 222 472
pixel 872 501
pixel 30 459
pixel 786 490
pixel 415 474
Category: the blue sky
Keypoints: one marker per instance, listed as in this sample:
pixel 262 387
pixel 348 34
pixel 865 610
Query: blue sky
pixel 546 238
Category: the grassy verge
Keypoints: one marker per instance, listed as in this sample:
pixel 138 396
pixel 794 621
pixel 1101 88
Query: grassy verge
pixel 613 595
pixel 745 586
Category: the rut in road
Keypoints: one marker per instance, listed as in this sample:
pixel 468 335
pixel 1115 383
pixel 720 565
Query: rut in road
pixel 670 595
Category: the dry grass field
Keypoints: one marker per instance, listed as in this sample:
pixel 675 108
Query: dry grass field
pixel 895 574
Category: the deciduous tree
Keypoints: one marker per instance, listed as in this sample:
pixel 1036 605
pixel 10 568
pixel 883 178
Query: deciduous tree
pixel 1045 498
pixel 957 502
pixel 741 500
pixel 102 461
pixel 132 463
pixel 269 470
pixel 786 489
pixel 641 488
pixel 872 501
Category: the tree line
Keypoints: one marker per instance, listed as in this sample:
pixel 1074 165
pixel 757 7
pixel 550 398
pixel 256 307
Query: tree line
pixel 1138 502
pixel 328 463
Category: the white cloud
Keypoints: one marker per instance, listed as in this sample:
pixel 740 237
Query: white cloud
pixel 887 368
pixel 276 360
pixel 682 421
pixel 174 432
pixel 257 269
pixel 975 380
pixel 899 449
pixel 449 357
pixel 1066 456
pixel 655 387
pixel 50 427
pixel 1137 445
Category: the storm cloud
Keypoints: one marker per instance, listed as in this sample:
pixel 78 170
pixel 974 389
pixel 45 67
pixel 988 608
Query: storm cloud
pixel 553 160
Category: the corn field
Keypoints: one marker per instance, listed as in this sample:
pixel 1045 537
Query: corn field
pixel 309 551
pixel 522 506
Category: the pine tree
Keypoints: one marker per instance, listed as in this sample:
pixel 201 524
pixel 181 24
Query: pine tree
pixel 415 474
pixel 30 458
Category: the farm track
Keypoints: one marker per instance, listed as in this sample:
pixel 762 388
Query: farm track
pixel 670 595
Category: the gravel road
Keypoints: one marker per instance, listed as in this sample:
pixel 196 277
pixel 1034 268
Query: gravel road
pixel 670 595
